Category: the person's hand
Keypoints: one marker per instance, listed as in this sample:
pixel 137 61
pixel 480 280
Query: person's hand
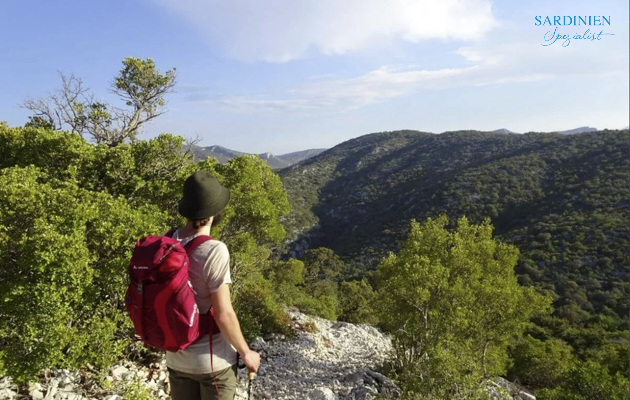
pixel 251 359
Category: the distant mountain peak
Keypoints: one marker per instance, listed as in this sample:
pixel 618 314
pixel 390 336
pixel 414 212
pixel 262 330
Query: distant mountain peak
pixel 223 155
pixel 574 131
pixel 502 131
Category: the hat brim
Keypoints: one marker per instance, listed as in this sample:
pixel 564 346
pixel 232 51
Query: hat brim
pixel 204 211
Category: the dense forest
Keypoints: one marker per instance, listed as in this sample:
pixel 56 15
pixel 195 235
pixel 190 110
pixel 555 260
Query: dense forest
pixel 562 200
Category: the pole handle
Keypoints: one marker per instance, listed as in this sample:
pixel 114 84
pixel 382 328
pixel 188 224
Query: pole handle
pixel 251 375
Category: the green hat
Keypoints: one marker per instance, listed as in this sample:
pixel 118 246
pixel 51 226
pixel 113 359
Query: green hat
pixel 203 196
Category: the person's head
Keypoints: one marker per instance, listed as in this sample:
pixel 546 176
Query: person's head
pixel 203 199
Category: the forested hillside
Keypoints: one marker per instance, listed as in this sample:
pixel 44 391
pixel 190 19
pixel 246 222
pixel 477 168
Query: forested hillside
pixel 562 200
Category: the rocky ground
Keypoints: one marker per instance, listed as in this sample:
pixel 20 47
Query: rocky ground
pixel 326 360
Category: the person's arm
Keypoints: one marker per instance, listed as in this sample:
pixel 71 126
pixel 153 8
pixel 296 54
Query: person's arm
pixel 227 321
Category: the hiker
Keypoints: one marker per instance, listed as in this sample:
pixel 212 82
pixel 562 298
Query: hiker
pixel 193 373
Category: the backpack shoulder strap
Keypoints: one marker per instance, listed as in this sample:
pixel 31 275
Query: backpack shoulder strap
pixel 170 233
pixel 193 244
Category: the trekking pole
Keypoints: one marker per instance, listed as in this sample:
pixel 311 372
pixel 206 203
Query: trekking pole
pixel 250 375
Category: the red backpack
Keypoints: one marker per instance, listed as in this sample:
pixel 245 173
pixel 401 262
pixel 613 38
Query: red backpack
pixel 160 298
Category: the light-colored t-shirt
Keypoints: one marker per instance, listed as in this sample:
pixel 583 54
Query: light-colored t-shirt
pixel 209 269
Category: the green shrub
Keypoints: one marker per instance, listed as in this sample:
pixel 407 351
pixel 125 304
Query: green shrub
pixel 538 363
pixel 70 213
pixel 319 298
pixel 588 381
pixel 136 390
pixel 357 301
pixel 64 253
pixel 451 302
pixel 258 311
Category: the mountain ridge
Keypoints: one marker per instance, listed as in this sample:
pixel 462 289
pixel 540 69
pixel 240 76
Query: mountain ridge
pixel 223 155
pixel 574 131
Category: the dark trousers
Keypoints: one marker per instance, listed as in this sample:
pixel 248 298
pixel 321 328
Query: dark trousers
pixel 202 386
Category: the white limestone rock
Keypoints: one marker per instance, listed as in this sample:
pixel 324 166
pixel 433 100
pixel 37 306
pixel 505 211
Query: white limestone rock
pixel 37 395
pixel 322 394
pixel 120 372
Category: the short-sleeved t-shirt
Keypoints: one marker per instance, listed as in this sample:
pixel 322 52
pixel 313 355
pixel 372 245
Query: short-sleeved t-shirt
pixel 209 269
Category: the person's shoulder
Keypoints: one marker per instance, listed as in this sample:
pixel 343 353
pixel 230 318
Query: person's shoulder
pixel 216 255
pixel 214 247
pixel 219 246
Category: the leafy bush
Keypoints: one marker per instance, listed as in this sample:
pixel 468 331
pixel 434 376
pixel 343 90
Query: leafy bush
pixel 310 284
pixel 258 311
pixel 321 264
pixel 64 253
pixel 70 213
pixel 538 363
pixel 319 299
pixel 588 381
pixel 136 390
pixel 452 303
pixel 357 302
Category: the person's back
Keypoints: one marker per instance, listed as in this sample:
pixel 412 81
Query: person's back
pixel 193 373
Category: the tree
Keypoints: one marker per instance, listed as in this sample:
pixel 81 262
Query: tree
pixel 588 381
pixel 322 264
pixel 322 269
pixel 139 85
pixel 538 363
pixel 357 302
pixel 258 199
pixel 452 303
pixel 251 229
pixel 38 121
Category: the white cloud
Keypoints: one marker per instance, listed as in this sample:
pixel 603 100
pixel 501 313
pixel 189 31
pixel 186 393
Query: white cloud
pixel 283 30
pixel 501 60
pixel 344 94
pixel 385 83
pixel 379 85
pixel 252 104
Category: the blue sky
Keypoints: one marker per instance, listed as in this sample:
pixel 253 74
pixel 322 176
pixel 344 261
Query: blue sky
pixel 287 75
